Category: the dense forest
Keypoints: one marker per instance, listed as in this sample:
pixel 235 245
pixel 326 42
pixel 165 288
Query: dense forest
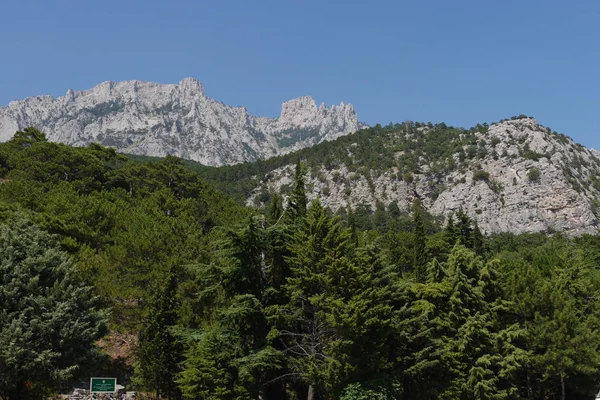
pixel 289 301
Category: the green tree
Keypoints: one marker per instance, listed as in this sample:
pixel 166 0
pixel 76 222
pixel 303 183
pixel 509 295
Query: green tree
pixel 275 209
pixel 464 229
pixel 159 353
pixel 459 347
pixel 380 217
pixel 478 240
pixel 333 329
pixel 450 230
pixel 394 210
pixel 420 251
pixel 352 225
pixel 246 270
pixel 298 202
pixel 554 289
pixel 232 359
pixel 48 319
pixel 27 137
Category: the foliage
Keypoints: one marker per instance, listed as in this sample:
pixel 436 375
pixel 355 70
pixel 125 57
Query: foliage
pixel 534 174
pixel 122 221
pixel 158 353
pixel 380 389
pixel 289 301
pixel 334 310
pixel 481 175
pixel 232 359
pixel 369 152
pixel 49 320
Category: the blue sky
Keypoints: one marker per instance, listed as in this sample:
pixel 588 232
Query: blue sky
pixel 460 62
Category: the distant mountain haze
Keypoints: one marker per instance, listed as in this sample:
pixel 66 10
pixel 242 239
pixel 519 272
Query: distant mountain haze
pixel 153 119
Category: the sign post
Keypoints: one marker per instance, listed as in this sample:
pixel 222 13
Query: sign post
pixel 103 385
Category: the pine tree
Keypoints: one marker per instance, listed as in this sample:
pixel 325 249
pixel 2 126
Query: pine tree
pixel 420 247
pixel 276 208
pixel 450 230
pixel 27 137
pixel 159 352
pixel 561 319
pixel 478 240
pixel 464 229
pixel 232 359
pixel 247 271
pixel 335 314
pixel 352 225
pixel 458 346
pixel 298 201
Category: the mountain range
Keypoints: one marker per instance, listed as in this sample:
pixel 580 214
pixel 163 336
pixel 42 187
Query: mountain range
pixel 511 176
pixel 154 119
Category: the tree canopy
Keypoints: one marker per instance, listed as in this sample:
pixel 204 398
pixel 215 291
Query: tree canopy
pixel 289 301
pixel 49 320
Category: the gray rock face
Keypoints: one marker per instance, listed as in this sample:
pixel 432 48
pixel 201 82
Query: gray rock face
pixel 563 195
pixel 154 119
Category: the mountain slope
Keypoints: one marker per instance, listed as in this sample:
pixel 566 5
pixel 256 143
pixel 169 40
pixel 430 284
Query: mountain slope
pixel 514 176
pixel 155 119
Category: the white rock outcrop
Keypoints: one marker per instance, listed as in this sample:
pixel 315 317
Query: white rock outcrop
pixel 563 197
pixel 155 119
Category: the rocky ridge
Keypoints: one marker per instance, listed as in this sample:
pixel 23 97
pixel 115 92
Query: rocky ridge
pixel 526 179
pixel 153 119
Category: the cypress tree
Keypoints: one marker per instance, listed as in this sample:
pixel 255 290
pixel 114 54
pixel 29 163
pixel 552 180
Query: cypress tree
pixel 276 208
pixel 450 230
pixel 464 229
pixel 159 353
pixel 298 201
pixel 352 225
pixel 478 240
pixel 420 240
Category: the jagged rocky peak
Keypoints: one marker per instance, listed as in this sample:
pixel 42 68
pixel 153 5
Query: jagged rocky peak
pixel 304 109
pixel 156 119
pixel 191 85
pixel 135 90
pixel 298 111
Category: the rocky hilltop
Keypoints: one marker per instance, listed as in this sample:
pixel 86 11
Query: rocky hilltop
pixel 155 119
pixel 513 176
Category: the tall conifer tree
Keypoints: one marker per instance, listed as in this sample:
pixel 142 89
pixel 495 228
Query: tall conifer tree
pixel 159 353
pixel 298 201
pixel 420 247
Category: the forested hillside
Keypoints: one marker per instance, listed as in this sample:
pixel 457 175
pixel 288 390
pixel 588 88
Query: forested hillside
pixel 515 175
pixel 288 300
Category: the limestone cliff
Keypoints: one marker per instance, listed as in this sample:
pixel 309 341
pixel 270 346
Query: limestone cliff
pixel 513 176
pixel 155 119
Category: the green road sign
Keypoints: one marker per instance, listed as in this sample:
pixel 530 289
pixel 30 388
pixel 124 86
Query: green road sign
pixel 103 385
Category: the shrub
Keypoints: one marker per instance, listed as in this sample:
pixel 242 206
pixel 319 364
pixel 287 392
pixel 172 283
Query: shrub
pixel 534 175
pixel 495 186
pixel 481 175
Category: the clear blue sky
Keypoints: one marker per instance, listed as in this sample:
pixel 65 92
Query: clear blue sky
pixel 460 62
